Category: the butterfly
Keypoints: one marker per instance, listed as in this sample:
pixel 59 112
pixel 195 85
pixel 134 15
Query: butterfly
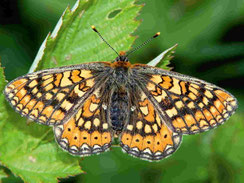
pixel 148 108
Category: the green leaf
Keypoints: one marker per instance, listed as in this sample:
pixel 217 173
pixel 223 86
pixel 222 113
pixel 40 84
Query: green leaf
pixel 30 151
pixel 2 174
pixel 3 81
pixel 11 54
pixel 227 158
pixel 73 41
pixel 189 23
pixel 163 60
pixel 25 154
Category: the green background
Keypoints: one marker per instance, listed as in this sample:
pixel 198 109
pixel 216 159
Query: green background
pixel 211 47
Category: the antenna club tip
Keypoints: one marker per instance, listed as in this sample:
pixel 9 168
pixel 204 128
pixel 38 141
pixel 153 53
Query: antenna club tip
pixel 94 28
pixel 156 35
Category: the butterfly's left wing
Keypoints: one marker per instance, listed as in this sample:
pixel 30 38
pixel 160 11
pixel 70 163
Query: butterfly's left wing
pixel 188 105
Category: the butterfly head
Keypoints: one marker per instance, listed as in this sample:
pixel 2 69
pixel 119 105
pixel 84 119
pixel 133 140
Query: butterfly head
pixel 122 57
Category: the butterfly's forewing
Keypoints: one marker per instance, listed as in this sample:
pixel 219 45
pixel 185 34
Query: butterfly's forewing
pixel 52 96
pixel 88 131
pixel 187 105
pixel 145 134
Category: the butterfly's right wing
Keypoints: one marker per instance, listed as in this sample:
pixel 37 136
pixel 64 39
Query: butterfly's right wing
pixel 52 96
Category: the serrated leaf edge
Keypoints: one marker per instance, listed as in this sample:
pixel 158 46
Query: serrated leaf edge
pixel 52 36
pixel 162 56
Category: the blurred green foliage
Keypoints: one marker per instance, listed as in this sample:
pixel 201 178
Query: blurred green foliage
pixel 211 47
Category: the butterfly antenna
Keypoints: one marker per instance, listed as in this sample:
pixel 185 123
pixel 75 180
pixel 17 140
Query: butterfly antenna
pixel 143 44
pixel 95 30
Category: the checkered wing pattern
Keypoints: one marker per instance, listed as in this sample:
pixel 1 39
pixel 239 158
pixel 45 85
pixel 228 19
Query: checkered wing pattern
pixel 88 131
pixel 52 96
pixel 187 105
pixel 146 134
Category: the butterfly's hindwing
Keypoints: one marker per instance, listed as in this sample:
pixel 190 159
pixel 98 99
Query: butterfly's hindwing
pixel 188 105
pixel 145 134
pixel 88 131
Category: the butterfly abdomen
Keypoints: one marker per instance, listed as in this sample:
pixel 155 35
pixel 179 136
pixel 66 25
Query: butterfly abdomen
pixel 118 110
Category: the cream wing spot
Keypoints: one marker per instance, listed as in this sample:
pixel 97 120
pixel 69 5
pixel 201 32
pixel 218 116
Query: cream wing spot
pixel 16 99
pixel 208 94
pixel 86 73
pixel 139 125
pixel 48 96
pixel 88 125
pixel 25 110
pixel 78 91
pixel 179 104
pixel 148 129
pixel 90 82
pixel 192 96
pixel 205 100
pixel 46 77
pixel 229 108
pixel 38 95
pixel 158 120
pixel 22 92
pixel 48 87
pixel 77 116
pixel 130 127
pixel 13 102
pixel 34 91
pixel 66 105
pixel 105 126
pixel 93 107
pixel 104 107
pixel 176 88
pixel 48 81
pixel 191 105
pixel 96 122
pixel 155 128
pixel 171 112
pixel 201 105
pixel 65 80
pixel 144 110
pixel 33 84
pixel 81 122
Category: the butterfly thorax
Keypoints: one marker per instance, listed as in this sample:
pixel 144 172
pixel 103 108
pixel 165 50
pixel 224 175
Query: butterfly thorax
pixel 121 64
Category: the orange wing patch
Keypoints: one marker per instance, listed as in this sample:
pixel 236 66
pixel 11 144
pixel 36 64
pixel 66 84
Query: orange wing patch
pixel 80 141
pixel 146 136
pixel 87 132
